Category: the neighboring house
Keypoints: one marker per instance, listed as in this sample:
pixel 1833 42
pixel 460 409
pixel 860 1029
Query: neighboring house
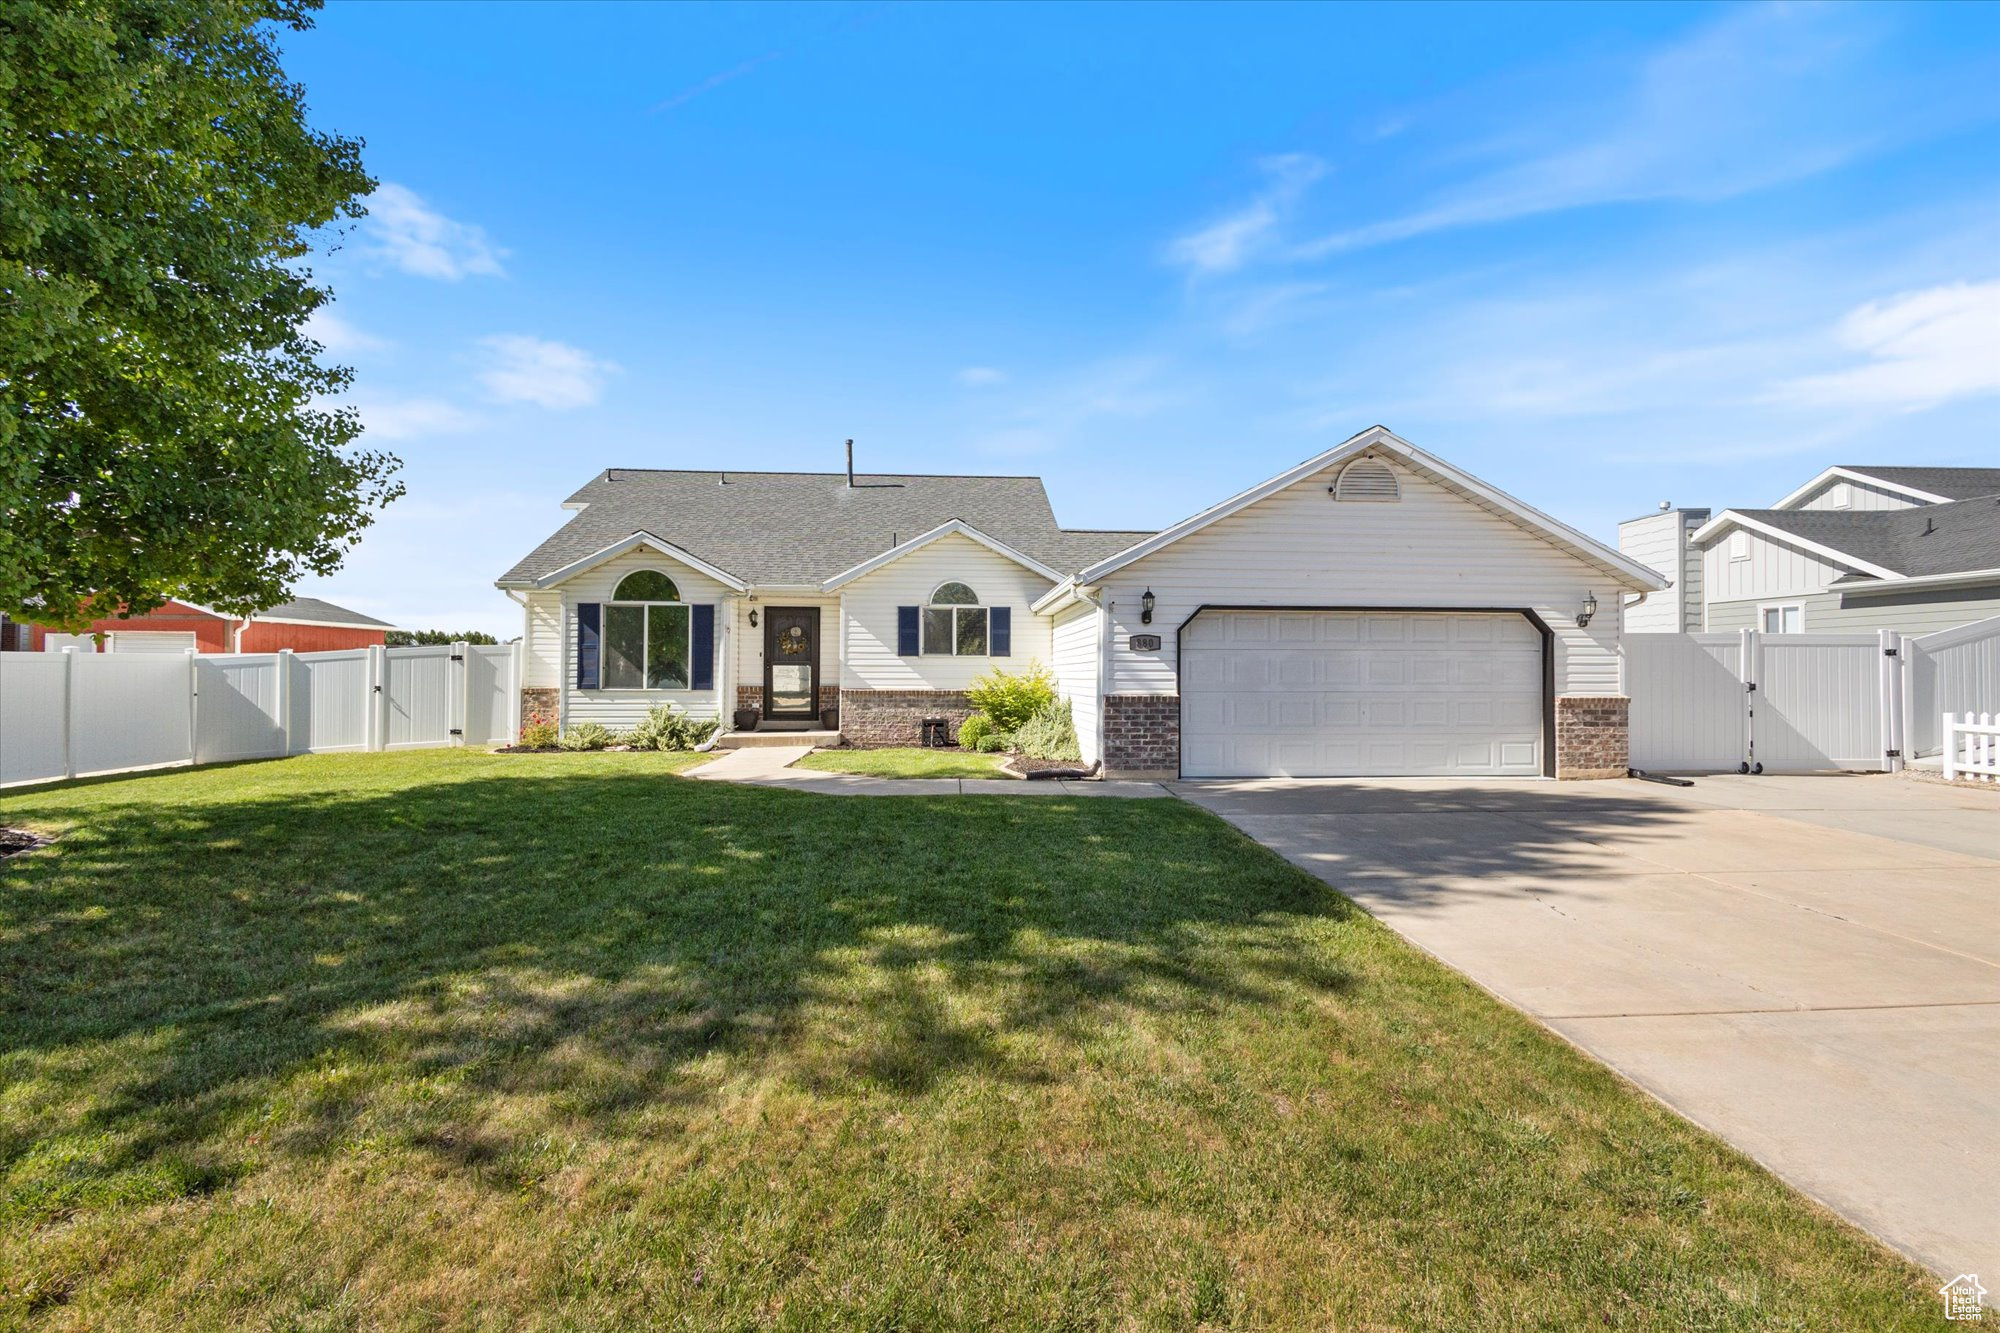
pixel 305 624
pixel 1912 549
pixel 1372 611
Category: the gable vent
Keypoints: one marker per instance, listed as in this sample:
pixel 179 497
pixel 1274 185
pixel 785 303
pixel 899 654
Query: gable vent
pixel 1366 479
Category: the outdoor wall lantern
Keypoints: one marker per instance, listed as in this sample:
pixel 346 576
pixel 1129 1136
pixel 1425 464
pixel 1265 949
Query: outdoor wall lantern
pixel 1589 610
pixel 1146 608
pixel 753 617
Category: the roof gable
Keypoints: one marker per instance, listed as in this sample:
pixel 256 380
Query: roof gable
pixel 1930 540
pixel 1627 572
pixel 955 527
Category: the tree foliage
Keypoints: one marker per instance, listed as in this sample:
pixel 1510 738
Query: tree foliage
pixel 427 638
pixel 160 426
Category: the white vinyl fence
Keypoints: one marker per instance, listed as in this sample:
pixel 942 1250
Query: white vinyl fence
pixel 1778 703
pixel 1972 746
pixel 74 714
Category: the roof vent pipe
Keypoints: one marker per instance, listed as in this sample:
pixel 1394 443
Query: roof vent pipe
pixel 850 465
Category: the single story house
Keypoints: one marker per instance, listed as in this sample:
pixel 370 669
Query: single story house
pixel 1371 611
pixel 1857 548
pixel 304 624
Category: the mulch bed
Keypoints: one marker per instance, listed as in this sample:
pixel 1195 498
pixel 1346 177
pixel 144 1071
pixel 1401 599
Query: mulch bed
pixel 1023 767
pixel 16 840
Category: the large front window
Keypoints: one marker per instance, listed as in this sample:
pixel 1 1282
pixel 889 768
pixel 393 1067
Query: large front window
pixel 648 635
pixel 954 623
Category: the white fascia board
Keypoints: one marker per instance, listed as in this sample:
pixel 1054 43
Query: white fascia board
pixel 322 624
pixel 620 547
pixel 1634 574
pixel 1850 474
pixel 1893 584
pixel 1056 599
pixel 954 527
pixel 1729 518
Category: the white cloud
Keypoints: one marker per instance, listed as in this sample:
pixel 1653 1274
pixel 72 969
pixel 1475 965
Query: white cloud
pixel 413 418
pixel 1924 348
pixel 1765 95
pixel 406 232
pixel 1229 242
pixel 549 374
pixel 338 336
pixel 980 376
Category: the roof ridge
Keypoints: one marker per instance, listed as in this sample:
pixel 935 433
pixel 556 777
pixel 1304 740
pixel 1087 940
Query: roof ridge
pixel 841 476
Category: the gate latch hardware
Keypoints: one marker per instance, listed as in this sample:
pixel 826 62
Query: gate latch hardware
pixel 456 731
pixel 458 657
pixel 1891 652
pixel 1894 754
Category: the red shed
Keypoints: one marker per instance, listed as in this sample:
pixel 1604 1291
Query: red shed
pixel 305 625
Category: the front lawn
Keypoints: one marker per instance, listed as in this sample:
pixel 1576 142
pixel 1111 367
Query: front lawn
pixel 446 1039
pixel 906 763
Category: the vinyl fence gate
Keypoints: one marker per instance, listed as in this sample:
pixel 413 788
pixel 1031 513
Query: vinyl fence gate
pixel 73 714
pixel 1754 702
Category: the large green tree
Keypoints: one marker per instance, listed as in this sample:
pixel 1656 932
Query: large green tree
pixel 162 427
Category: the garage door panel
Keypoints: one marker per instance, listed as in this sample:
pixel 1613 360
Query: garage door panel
pixel 1305 694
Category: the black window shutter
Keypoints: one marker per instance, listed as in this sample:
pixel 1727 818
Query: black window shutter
pixel 1002 636
pixel 701 674
pixel 908 631
pixel 587 621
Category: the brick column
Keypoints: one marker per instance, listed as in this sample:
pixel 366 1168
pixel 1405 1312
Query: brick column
pixel 539 705
pixel 1142 735
pixel 1593 735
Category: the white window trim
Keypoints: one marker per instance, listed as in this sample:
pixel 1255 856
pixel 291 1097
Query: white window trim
pixel 932 604
pixel 645 651
pixel 1764 608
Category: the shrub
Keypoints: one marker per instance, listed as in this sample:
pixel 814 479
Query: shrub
pixel 996 742
pixel 585 736
pixel 1011 700
pixel 668 728
pixel 973 730
pixel 539 735
pixel 1050 734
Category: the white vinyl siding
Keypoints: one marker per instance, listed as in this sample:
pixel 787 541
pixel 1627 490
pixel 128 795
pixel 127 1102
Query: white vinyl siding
pixel 1858 496
pixel 1301 548
pixel 1773 570
pixel 541 644
pixel 1914 612
pixel 621 709
pixel 1075 647
pixel 1656 542
pixel 869 660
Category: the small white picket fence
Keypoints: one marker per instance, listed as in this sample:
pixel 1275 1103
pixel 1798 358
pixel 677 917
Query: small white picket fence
pixel 73 714
pixel 1972 746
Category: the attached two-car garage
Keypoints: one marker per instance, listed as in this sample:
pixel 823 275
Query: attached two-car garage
pixel 1362 693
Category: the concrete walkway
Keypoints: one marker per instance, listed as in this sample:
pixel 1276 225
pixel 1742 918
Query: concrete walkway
pixel 771 766
pixel 1807 966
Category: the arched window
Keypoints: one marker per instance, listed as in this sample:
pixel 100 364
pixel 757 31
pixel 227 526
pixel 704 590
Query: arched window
pixel 955 624
pixel 646 585
pixel 1366 478
pixel 648 637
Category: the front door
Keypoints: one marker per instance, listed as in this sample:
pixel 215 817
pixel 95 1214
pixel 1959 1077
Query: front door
pixel 791 663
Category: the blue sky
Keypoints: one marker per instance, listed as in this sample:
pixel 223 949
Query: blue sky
pixel 1600 256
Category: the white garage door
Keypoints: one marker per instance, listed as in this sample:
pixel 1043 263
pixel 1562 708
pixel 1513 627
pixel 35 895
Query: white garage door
pixel 1360 694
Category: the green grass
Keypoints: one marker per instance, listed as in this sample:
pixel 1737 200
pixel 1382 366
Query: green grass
pixel 905 763
pixel 454 1040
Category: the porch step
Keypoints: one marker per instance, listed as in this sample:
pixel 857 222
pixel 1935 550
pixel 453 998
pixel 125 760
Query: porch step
pixel 745 740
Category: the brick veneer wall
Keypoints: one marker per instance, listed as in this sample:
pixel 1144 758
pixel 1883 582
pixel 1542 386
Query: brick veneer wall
pixel 539 705
pixel 872 719
pixel 1593 735
pixel 1142 733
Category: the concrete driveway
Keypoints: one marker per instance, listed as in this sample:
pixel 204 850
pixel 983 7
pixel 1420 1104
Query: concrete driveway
pixel 1807 966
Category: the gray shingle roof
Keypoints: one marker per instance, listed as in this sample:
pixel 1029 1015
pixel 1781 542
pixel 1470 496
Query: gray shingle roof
pixel 805 527
pixel 1928 539
pixel 312 608
pixel 1954 483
